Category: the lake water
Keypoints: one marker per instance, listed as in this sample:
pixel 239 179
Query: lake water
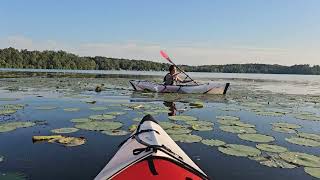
pixel 51 99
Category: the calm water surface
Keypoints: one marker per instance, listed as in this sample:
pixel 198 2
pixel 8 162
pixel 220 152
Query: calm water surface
pixel 64 90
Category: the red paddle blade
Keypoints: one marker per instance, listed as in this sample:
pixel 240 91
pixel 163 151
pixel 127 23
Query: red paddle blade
pixel 165 55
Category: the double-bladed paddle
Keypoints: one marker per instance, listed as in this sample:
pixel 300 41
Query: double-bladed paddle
pixel 165 55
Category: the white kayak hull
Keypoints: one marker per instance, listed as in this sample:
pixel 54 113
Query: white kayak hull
pixel 149 153
pixel 208 88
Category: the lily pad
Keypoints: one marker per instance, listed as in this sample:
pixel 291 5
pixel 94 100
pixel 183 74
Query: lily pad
pixel 64 130
pixel 309 117
pixel 286 125
pixel 45 107
pixel 182 118
pixel 276 162
pixel 228 118
pixel 200 127
pixel 10 126
pixel 269 113
pixel 132 128
pixel 80 120
pixel 271 148
pixel 115 132
pixel 71 109
pixel 235 123
pixel 99 125
pixel 213 142
pixel 71 141
pixel 315 137
pixel 196 104
pixel 303 141
pixel 169 125
pixel 13 176
pixel 116 113
pixel 178 130
pixel 7 111
pixel 137 119
pixel 315 172
pixel 302 159
pixel 261 138
pixel 237 129
pixel 186 138
pixel 98 108
pixel 13 106
pixel 9 99
pixel 162 111
pixel 239 150
pixel 102 117
pixel 283 130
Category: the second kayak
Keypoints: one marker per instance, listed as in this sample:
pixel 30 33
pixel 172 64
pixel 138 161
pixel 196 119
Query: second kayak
pixel 149 153
pixel 207 88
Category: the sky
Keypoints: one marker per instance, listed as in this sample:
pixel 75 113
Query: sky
pixel 194 32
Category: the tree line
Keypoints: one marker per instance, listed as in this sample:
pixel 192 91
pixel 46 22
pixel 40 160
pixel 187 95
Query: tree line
pixel 14 58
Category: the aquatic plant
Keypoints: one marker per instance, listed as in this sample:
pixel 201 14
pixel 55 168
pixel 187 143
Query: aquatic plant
pixel 239 150
pixel 64 130
pixel 213 142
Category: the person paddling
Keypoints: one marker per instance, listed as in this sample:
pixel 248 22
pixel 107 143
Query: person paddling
pixel 172 77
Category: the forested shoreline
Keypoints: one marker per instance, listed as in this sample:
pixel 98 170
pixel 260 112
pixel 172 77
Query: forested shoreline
pixel 14 58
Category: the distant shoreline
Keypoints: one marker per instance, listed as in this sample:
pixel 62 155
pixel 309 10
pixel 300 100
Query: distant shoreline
pixel 11 58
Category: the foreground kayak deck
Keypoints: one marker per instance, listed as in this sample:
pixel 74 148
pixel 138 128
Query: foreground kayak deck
pixel 208 88
pixel 149 153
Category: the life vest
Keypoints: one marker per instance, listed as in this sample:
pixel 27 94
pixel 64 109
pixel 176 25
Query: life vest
pixel 168 79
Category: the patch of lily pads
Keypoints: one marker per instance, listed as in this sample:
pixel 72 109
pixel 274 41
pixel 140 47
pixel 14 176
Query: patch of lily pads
pixel 274 161
pixel 99 125
pixel 253 137
pixel 116 113
pixel 182 118
pixel 7 111
pixel 102 117
pixel 200 125
pixel 302 159
pixel 315 172
pixel 115 132
pixel 235 123
pixel 239 150
pixel 269 113
pixel 71 109
pixel 186 138
pixel 237 129
pixel 180 130
pixel 64 130
pixel 132 127
pixel 13 176
pixel 271 148
pixel 13 106
pixel 234 118
pixel 80 120
pixel 69 141
pixel 10 126
pixel 98 108
pixel 213 142
pixel 308 117
pixel 303 141
pixel 311 136
pixel 45 107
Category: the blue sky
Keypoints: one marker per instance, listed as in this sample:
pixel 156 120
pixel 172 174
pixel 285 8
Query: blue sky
pixel 194 32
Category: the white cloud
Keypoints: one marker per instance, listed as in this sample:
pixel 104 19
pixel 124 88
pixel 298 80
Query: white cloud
pixel 192 53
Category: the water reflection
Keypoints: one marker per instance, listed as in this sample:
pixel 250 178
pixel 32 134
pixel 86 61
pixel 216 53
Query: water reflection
pixel 172 108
